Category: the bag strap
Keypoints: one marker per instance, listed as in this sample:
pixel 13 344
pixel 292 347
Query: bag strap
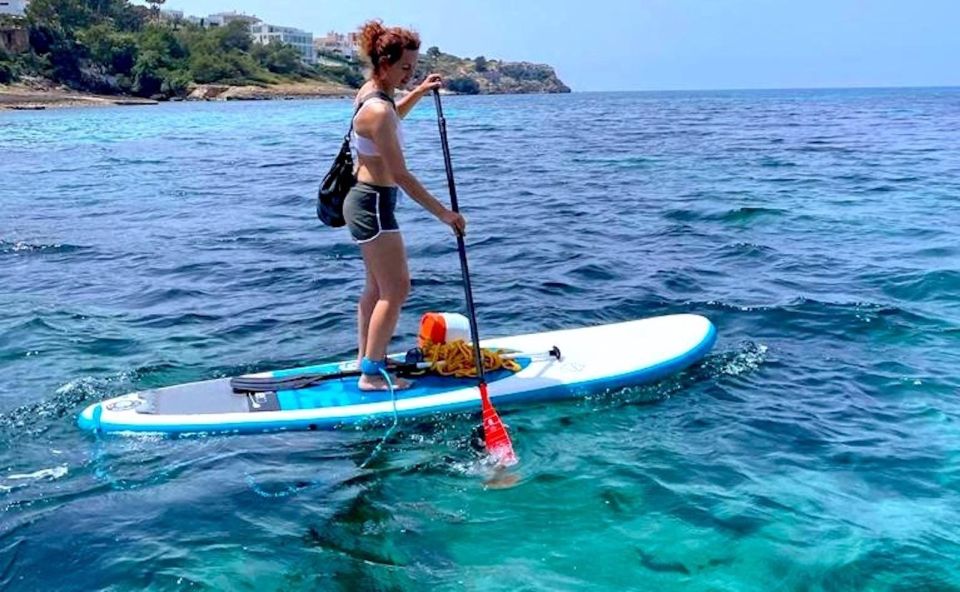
pixel 376 94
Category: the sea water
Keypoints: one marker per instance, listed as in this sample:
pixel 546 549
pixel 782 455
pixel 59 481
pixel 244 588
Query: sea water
pixel 816 448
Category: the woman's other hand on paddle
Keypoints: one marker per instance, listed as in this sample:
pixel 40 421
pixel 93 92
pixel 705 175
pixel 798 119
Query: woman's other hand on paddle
pixel 429 83
pixel 455 221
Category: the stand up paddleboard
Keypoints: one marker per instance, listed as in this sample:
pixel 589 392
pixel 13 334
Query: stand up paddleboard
pixel 591 359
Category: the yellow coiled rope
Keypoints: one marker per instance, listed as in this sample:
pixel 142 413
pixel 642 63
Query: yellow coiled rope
pixel 456 359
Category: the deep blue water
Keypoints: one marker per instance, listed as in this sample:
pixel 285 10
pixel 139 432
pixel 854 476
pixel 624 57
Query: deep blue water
pixel 817 447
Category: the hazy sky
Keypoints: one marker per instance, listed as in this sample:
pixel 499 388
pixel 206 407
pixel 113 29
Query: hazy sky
pixel 665 44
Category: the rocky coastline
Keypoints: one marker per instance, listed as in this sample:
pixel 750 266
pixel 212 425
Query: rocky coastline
pixel 36 97
pixel 39 95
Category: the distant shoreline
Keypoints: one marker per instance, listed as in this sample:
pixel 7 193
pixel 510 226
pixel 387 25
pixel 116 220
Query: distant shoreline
pixel 16 97
pixel 21 97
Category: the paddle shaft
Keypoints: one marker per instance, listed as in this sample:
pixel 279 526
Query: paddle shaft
pixel 461 245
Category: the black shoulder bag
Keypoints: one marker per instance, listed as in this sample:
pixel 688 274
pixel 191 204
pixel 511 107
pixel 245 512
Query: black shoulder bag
pixel 341 177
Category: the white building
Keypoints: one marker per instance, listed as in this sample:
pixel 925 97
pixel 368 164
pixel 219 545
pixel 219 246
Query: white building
pixel 344 44
pixel 225 18
pixel 13 7
pixel 168 15
pixel 302 41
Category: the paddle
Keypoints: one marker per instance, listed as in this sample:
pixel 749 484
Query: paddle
pixel 267 384
pixel 494 433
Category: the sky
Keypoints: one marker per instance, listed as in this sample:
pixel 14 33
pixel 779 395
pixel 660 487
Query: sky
pixel 604 45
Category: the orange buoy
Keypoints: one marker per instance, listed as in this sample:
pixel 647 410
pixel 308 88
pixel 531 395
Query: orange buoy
pixel 443 327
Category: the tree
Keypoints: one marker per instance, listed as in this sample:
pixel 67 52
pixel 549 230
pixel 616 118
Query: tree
pixel 343 74
pixel 234 35
pixel 277 57
pixel 8 67
pixel 115 52
pixel 66 14
pixel 176 84
pixel 464 85
pixel 65 58
pixel 129 17
pixel 433 53
pixel 231 68
pixel 525 71
pixel 155 8
pixel 162 39
pixel 148 72
pixel 480 64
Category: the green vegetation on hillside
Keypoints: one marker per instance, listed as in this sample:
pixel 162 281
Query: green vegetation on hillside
pixel 115 47
pixel 487 76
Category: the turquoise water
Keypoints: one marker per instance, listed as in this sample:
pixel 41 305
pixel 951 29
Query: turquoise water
pixel 815 449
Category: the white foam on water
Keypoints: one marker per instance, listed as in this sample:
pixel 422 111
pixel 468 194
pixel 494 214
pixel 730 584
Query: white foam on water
pixel 51 474
pixel 747 361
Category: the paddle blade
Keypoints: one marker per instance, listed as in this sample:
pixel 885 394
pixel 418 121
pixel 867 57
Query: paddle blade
pixel 495 434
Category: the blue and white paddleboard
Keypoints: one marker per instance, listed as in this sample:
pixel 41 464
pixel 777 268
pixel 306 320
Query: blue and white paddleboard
pixel 592 359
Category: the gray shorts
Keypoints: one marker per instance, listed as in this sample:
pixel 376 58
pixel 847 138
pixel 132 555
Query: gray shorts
pixel 368 210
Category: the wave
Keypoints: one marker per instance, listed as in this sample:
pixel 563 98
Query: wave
pixel 624 163
pixel 596 272
pixel 735 215
pixel 158 321
pixel 844 321
pixel 26 248
pixel 920 286
pixel 771 162
pixel 11 481
pixel 747 250
pixel 33 419
pixel 157 296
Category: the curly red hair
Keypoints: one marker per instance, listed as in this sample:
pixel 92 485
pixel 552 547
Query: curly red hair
pixel 383 46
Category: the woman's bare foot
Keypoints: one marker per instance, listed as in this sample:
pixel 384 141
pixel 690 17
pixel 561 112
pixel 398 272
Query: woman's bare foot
pixel 377 383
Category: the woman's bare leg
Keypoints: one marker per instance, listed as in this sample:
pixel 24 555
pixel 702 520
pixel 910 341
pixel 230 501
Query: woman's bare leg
pixel 386 261
pixel 369 298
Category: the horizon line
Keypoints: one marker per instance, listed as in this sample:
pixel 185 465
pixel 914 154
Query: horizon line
pixel 773 88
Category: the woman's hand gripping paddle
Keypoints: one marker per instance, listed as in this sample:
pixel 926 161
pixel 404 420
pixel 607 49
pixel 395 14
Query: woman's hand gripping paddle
pixel 494 432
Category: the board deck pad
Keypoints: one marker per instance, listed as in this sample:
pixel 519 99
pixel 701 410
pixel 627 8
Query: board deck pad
pixel 344 391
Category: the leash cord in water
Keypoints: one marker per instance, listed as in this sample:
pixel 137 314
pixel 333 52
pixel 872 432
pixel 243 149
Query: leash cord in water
pixel 396 420
pixel 292 490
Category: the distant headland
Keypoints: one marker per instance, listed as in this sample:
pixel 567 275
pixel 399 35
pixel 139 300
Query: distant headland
pixel 66 52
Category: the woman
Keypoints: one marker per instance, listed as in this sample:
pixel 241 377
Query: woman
pixel 369 207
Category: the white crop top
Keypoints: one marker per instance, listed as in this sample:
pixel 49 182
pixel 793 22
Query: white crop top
pixel 366 146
